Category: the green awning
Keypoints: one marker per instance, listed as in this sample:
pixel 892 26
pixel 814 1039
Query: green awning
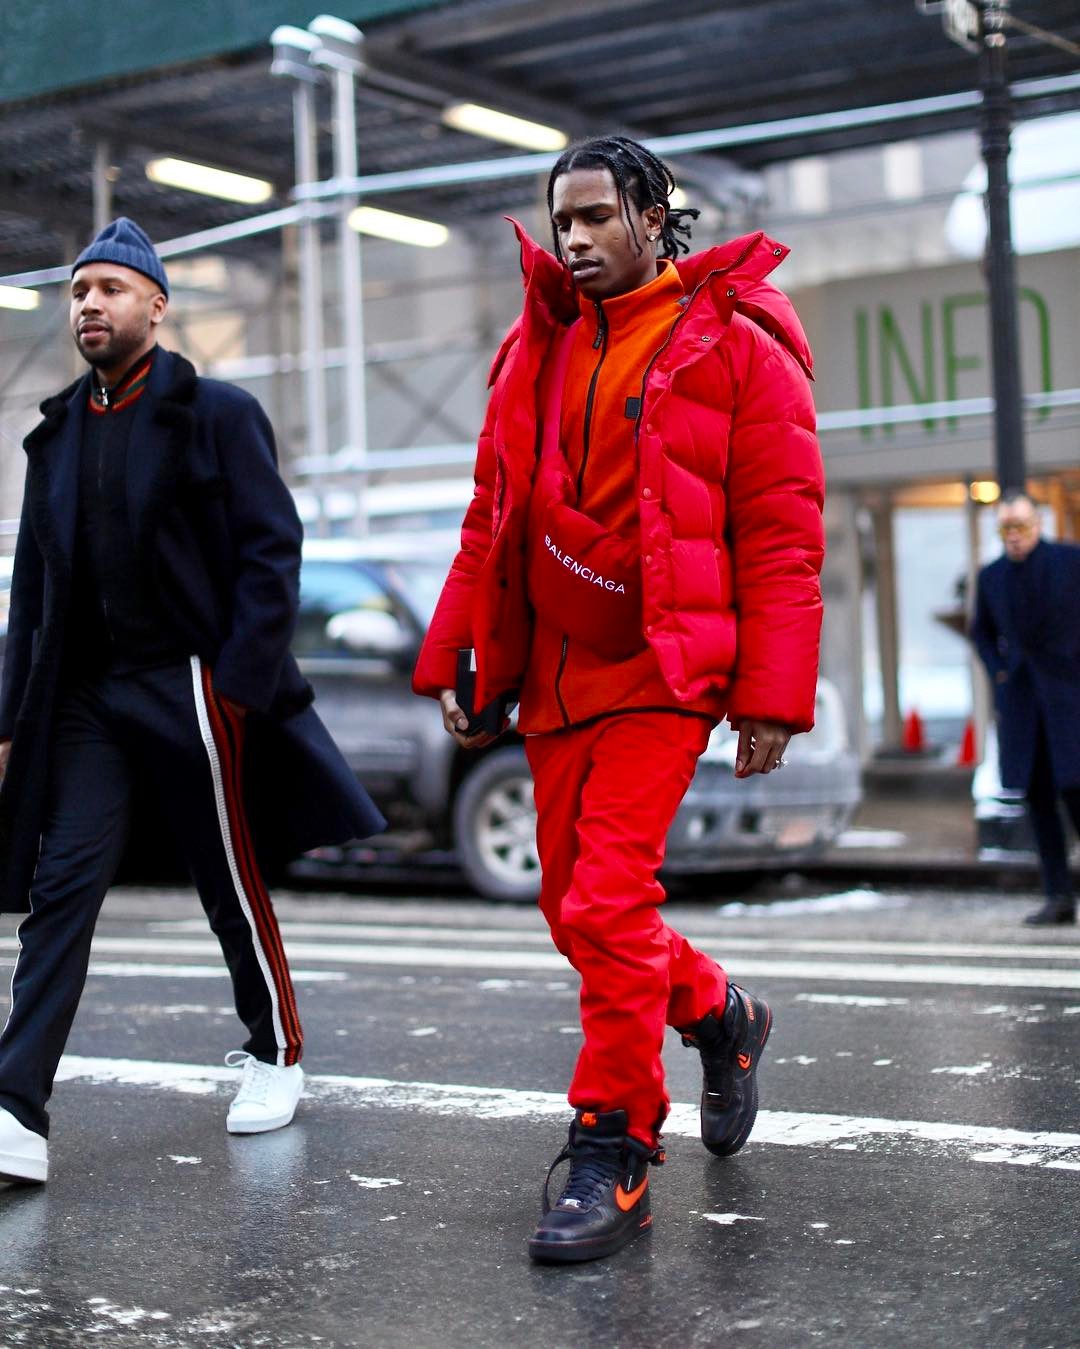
pixel 52 45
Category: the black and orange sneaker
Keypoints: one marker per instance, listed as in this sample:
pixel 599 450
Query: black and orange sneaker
pixel 605 1201
pixel 730 1047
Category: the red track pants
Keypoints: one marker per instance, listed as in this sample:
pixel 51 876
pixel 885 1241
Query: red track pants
pixel 605 796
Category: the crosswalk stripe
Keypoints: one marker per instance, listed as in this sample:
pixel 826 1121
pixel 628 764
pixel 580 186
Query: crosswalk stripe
pixel 462 958
pixel 785 1128
pixel 509 936
pixel 109 969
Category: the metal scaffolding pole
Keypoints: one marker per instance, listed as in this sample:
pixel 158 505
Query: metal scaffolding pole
pixel 339 52
pixel 102 186
pixel 292 52
pixel 888 627
pixel 995 123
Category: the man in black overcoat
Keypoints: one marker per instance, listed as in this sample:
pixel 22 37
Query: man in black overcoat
pixel 1027 631
pixel 153 600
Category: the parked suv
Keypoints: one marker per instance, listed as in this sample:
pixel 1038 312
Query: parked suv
pixel 364 607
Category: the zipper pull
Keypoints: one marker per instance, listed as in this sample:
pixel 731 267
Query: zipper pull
pixel 601 326
pixel 104 394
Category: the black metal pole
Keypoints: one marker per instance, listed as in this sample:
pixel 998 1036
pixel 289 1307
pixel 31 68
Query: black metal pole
pixel 1000 263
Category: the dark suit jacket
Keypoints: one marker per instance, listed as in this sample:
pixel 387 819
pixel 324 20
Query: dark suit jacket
pixel 1028 637
pixel 217 534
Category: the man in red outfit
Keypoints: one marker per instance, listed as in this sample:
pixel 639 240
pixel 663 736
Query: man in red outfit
pixel 640 559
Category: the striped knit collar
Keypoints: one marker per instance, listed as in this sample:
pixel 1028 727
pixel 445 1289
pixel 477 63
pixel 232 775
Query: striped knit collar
pixel 127 390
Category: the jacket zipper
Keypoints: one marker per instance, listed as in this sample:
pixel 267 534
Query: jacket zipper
pixel 558 679
pixel 599 344
pixel 102 442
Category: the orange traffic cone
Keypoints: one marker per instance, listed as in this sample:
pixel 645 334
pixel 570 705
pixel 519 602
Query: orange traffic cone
pixel 966 755
pixel 914 733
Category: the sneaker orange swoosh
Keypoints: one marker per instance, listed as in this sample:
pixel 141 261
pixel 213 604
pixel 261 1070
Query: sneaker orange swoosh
pixel 626 1199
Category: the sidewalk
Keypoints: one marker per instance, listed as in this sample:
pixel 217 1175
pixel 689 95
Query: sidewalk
pixel 918 822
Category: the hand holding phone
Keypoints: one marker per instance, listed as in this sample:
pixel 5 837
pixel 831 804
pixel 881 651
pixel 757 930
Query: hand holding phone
pixel 489 720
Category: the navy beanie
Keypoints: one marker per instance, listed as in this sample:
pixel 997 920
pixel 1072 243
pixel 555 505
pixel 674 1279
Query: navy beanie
pixel 125 243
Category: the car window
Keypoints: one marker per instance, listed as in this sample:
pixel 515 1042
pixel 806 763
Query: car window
pixel 422 582
pixel 329 588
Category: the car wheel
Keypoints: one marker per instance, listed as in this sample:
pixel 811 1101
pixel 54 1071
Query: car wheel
pixel 495 828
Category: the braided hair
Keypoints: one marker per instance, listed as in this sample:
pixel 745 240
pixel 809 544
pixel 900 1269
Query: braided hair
pixel 639 177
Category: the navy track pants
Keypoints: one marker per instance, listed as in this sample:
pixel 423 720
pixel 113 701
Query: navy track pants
pixel 163 730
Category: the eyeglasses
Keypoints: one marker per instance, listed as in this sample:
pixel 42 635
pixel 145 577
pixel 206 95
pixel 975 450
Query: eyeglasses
pixel 1020 528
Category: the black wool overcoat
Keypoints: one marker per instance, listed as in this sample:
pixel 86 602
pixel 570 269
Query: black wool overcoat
pixel 217 533
pixel 1033 660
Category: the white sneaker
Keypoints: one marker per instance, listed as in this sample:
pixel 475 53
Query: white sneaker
pixel 24 1155
pixel 267 1097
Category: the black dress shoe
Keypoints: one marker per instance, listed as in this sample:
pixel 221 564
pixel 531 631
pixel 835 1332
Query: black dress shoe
pixel 1054 911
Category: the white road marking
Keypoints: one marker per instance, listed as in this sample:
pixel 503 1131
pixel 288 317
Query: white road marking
pixel 133 970
pixel 729 1219
pixel 851 1000
pixel 514 936
pixel 460 958
pixel 784 1128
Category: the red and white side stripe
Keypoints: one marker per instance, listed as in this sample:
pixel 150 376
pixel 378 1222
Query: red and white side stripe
pixel 222 732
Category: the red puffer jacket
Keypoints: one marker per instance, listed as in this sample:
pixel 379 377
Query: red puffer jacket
pixel 730 489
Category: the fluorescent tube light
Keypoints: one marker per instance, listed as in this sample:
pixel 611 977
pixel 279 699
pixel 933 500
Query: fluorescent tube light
pixel 500 126
pixel 402 229
pixel 18 297
pixel 211 182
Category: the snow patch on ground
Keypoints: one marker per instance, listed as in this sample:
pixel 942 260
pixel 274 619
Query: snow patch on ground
pixel 870 838
pixel 846 901
pixel 124 1316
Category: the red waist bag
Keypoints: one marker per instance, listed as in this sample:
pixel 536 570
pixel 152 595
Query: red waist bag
pixel 583 579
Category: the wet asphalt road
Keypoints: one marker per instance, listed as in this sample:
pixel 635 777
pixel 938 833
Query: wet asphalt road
pixel 914 1177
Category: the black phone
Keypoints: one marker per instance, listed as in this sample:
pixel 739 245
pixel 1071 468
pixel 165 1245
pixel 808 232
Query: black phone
pixel 491 718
